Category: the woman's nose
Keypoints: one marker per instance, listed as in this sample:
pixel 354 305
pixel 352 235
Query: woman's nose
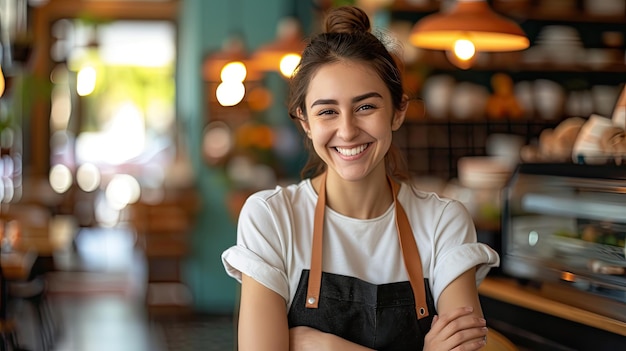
pixel 348 127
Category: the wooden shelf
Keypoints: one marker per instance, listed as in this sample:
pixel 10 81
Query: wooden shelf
pixel 433 146
pixel 478 122
pixel 514 62
pixel 528 12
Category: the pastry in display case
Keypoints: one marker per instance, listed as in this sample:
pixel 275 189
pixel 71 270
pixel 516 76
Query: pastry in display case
pixel 564 230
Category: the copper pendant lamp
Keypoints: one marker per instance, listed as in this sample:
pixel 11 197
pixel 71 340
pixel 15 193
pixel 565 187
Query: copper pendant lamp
pixel 289 43
pixel 470 20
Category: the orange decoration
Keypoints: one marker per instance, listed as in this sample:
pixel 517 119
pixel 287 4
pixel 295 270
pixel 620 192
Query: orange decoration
pixel 259 99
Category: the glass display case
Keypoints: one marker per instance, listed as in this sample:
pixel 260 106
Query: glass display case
pixel 563 229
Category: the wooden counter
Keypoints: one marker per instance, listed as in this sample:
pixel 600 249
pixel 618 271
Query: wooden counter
pixel 17 265
pixel 509 291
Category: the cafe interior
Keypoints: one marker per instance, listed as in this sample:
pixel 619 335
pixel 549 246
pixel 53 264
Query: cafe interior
pixel 132 131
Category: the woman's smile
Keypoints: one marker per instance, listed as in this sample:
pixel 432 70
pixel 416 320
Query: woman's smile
pixel 352 151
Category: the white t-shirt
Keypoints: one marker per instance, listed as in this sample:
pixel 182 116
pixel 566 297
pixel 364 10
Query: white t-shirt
pixel 275 230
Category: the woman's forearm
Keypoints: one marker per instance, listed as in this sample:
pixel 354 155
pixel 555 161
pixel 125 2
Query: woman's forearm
pixel 263 325
pixel 310 339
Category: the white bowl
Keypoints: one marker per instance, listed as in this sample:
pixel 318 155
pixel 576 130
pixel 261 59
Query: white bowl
pixel 484 171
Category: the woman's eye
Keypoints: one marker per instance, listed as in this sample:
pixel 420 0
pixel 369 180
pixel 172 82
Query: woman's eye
pixel 366 107
pixel 325 112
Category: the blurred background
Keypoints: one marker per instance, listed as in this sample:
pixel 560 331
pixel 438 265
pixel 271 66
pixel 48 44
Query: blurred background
pixel 131 131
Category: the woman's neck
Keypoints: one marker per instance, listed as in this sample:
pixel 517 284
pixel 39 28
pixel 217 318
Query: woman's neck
pixel 363 199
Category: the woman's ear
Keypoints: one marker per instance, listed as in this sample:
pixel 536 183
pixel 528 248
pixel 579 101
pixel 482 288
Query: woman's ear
pixel 303 122
pixel 300 114
pixel 399 115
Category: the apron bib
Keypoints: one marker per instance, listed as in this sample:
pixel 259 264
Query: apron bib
pixel 394 316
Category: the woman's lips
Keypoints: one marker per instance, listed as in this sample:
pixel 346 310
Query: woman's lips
pixel 352 151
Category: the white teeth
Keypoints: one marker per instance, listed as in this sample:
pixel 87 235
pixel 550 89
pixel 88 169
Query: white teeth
pixel 353 151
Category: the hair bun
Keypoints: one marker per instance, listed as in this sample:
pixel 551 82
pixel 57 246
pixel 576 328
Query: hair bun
pixel 347 19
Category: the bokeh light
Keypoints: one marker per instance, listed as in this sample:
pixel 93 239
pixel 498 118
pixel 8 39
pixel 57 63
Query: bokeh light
pixel 60 178
pixel 88 177
pixel 122 190
pixel 288 64
pixel 86 81
pixel 234 72
pixel 230 93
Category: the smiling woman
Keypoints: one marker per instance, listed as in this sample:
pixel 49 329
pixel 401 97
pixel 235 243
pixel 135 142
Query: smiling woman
pixel 319 261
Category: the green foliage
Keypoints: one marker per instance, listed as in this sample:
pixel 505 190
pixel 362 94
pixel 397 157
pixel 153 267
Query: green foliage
pixel 117 84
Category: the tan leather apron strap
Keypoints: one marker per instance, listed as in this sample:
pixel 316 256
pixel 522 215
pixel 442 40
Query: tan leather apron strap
pixel 410 254
pixel 315 273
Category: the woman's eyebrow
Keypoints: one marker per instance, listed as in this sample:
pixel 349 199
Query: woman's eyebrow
pixel 324 102
pixel 354 99
pixel 366 96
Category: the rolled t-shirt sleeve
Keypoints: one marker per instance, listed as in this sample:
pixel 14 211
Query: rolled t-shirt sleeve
pixel 259 251
pixel 458 250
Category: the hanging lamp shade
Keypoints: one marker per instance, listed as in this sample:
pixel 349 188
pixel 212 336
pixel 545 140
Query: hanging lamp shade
pixel 289 40
pixel 471 20
pixel 233 50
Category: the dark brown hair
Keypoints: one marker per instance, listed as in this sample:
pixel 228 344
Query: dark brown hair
pixel 348 36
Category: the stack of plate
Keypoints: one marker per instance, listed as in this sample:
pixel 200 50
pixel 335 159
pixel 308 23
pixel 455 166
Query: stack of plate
pixel 480 172
pixel 561 44
pixel 605 7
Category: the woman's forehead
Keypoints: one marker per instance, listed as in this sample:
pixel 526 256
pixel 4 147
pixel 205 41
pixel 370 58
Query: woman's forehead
pixel 344 79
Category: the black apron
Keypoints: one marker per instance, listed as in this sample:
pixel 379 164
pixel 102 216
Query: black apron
pixel 394 316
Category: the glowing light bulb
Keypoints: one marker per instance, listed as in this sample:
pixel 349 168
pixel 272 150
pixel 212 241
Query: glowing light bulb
pixel 230 93
pixel 464 49
pixel 288 64
pixel 462 54
pixel 234 72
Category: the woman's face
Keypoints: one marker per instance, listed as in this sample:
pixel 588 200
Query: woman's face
pixel 350 118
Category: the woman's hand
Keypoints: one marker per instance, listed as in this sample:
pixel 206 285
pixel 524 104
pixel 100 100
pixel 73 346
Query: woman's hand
pixel 310 339
pixel 459 329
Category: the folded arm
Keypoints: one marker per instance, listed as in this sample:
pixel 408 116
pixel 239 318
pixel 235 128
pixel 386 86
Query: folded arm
pixel 263 325
pixel 459 323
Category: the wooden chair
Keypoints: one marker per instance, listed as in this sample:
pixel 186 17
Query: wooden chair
pixel 33 225
pixel 13 266
pixel 163 230
pixel 8 332
pixel 34 293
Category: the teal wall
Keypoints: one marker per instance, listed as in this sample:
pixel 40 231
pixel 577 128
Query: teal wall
pixel 203 25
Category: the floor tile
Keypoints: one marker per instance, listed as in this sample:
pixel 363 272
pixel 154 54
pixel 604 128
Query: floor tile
pixel 105 322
